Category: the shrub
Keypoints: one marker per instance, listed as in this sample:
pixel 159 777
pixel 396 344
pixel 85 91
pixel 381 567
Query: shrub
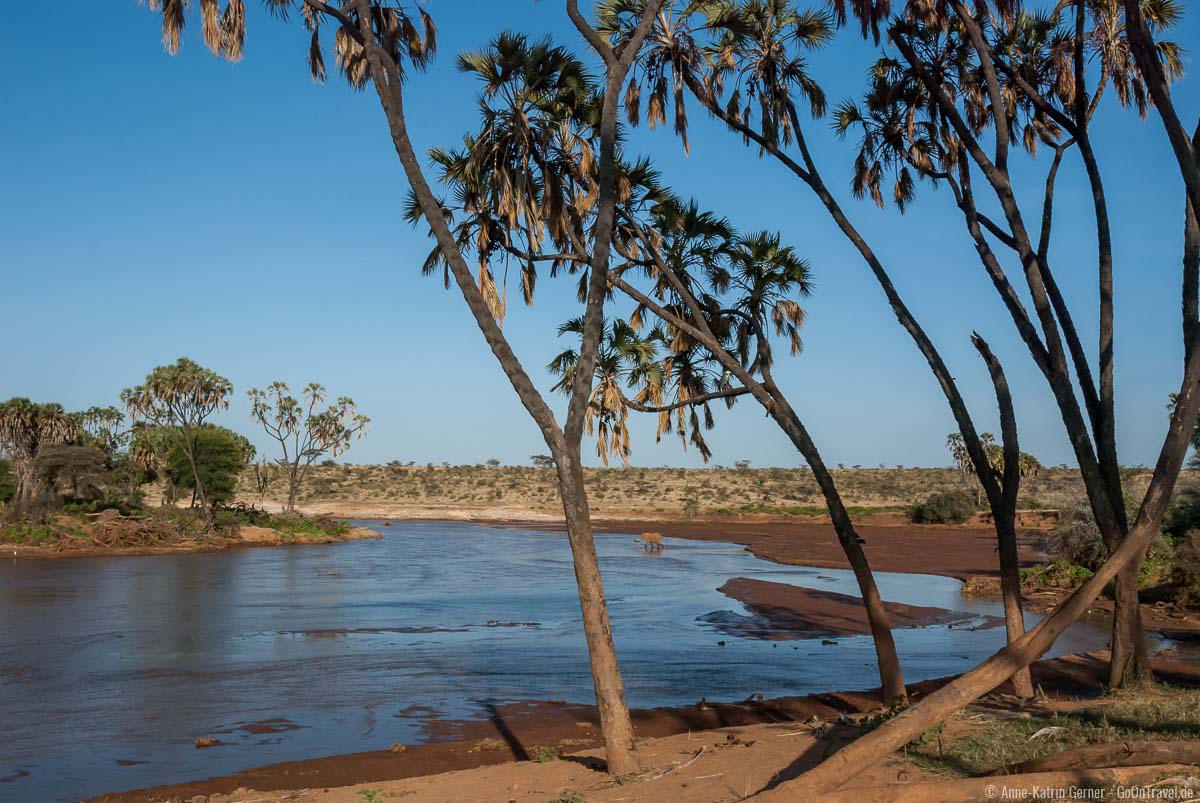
pixel 545 754
pixel 953 507
pixel 1059 574
pixel 1076 538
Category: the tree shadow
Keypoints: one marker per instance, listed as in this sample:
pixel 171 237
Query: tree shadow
pixel 506 733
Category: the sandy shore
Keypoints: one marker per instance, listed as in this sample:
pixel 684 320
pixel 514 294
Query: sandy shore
pixel 515 732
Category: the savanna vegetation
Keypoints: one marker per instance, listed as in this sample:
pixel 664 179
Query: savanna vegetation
pixel 682 307
pixel 155 472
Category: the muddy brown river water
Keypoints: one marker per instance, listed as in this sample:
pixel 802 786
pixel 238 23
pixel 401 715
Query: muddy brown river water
pixel 111 668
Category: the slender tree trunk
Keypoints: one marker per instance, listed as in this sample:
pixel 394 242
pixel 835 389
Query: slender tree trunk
pixel 619 744
pixel 1002 497
pixel 1010 590
pixel 891 677
pixel 293 482
pixel 1130 658
pixel 615 722
pixel 776 404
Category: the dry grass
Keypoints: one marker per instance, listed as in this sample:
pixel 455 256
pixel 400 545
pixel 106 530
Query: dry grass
pixel 662 492
pixel 974 744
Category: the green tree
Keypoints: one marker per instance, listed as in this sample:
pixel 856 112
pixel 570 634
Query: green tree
pixel 180 398
pixel 304 431
pixel 214 462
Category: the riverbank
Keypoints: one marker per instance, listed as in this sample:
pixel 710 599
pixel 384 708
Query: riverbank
pixel 78 542
pixel 747 746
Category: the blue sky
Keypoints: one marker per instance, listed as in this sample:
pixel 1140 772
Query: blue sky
pixel 156 206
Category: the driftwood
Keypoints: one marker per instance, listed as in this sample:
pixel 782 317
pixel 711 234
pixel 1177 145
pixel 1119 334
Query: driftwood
pixel 1119 754
pixel 1008 787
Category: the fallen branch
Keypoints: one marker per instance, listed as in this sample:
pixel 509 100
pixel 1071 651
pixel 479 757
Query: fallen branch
pixel 1123 754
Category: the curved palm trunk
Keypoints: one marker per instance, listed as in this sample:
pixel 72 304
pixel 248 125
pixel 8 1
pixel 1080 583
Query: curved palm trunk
pixel 773 401
pixel 891 677
pixel 1002 497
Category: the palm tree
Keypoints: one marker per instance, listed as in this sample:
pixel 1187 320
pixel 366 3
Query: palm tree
pixel 625 360
pixel 744 62
pixel 376 43
pixel 26 429
pixel 718 296
pixel 179 398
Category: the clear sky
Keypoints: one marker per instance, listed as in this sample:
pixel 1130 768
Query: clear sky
pixel 153 207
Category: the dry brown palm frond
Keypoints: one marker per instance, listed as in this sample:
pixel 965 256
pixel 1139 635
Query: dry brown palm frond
pixel 172 24
pixel 233 30
pixel 210 24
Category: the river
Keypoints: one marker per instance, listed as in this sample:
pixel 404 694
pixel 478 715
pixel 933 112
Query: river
pixel 110 668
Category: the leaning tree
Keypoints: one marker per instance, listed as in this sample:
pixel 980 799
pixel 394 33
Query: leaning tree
pixel 1147 66
pixel 745 63
pixel 179 398
pixel 305 432
pixel 377 44
pixel 969 86
pixel 717 293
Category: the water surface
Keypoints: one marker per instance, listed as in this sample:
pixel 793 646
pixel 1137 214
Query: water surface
pixel 110 668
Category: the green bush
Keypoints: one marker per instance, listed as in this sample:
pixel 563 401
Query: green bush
pixel 545 754
pixel 1059 574
pixel 220 456
pixel 952 507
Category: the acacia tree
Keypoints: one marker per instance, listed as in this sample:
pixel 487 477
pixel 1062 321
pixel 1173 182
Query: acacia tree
pixel 304 432
pixel 179 398
pixel 717 293
pixel 26 430
pixel 376 43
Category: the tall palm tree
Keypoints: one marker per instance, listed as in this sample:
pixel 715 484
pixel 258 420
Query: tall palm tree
pixel 377 43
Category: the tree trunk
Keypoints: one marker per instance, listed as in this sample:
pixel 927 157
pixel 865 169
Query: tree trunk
pixel 293 482
pixel 906 726
pixel 872 747
pixel 1010 589
pixel 1130 660
pixel 610 696
pixel 775 403
pixel 619 743
pixel 891 677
